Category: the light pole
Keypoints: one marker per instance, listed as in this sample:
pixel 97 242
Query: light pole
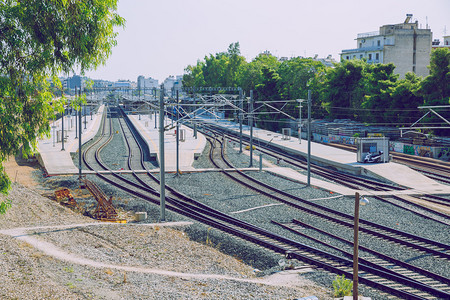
pixel 364 201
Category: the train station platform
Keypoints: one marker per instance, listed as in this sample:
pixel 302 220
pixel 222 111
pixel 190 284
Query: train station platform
pixel 342 160
pixel 190 147
pixel 51 156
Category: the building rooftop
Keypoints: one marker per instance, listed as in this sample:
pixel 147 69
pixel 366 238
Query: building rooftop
pixel 367 34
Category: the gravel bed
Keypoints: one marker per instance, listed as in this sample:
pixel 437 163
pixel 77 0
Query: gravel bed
pixel 218 191
pixel 28 273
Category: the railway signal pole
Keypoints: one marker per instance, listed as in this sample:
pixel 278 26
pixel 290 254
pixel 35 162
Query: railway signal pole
pixel 162 178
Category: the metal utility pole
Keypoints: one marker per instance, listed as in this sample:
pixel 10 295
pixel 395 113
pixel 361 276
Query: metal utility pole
pixel 62 129
pixel 79 141
pixel 250 120
pixel 85 122
pixel 355 247
pixel 162 181
pixel 241 101
pixel 300 122
pixel 309 137
pixel 76 116
pixel 178 137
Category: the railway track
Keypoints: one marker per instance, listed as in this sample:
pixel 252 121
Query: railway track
pixel 216 155
pixel 354 182
pixel 182 204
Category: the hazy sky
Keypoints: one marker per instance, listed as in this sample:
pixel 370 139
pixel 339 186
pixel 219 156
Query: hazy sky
pixel 162 37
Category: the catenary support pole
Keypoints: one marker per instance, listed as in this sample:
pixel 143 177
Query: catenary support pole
pixel 250 120
pixel 162 178
pixel 79 140
pixel 76 116
pixel 300 123
pixel 85 122
pixel 309 137
pixel 355 247
pixel 178 137
pixel 241 102
pixel 62 128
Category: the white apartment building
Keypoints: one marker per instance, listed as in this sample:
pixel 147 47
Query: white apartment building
pixel 146 83
pixel 404 45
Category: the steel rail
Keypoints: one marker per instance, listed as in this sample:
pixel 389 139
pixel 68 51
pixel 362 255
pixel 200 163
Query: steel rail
pixel 374 229
pixel 332 176
pixel 262 242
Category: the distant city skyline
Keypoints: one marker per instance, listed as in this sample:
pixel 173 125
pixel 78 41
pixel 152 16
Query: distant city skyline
pixel 161 38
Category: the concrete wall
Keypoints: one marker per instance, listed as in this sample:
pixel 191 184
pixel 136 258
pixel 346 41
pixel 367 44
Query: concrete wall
pixel 408 41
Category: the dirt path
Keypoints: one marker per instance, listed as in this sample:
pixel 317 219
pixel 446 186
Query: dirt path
pixel 288 279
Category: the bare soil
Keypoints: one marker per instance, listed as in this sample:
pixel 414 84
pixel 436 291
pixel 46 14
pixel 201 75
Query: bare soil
pixel 49 251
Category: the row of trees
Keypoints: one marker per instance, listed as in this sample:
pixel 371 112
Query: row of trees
pixel 40 39
pixel 352 89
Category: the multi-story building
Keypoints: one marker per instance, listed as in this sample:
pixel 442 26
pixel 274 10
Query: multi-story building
pixel 146 83
pixel 437 43
pixel 122 83
pixel 405 45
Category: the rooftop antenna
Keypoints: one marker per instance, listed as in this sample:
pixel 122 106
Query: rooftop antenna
pixel 426 18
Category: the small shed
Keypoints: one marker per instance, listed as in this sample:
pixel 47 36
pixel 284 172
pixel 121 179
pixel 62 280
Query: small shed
pixel 373 146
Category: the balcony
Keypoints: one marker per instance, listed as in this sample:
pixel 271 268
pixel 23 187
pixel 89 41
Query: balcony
pixel 364 49
pixel 367 34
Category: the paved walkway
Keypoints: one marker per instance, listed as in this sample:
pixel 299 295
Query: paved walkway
pixel 51 156
pixel 342 160
pixel 190 147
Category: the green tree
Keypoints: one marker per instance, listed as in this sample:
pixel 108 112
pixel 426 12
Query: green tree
pixel 342 88
pixel 298 75
pixel 220 70
pixel 40 39
pixel 405 99
pixel 378 80
pixel 252 74
pixel 436 86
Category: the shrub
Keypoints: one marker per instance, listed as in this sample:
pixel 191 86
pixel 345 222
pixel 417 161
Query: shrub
pixel 342 286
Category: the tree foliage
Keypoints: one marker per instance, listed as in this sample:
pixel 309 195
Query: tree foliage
pixel 38 40
pixel 436 86
pixel 351 89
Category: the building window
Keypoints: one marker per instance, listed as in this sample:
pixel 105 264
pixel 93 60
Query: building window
pixel 378 43
pixel 369 147
pixel 377 56
pixel 370 56
pixel 360 56
pixel 354 56
pixel 347 57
